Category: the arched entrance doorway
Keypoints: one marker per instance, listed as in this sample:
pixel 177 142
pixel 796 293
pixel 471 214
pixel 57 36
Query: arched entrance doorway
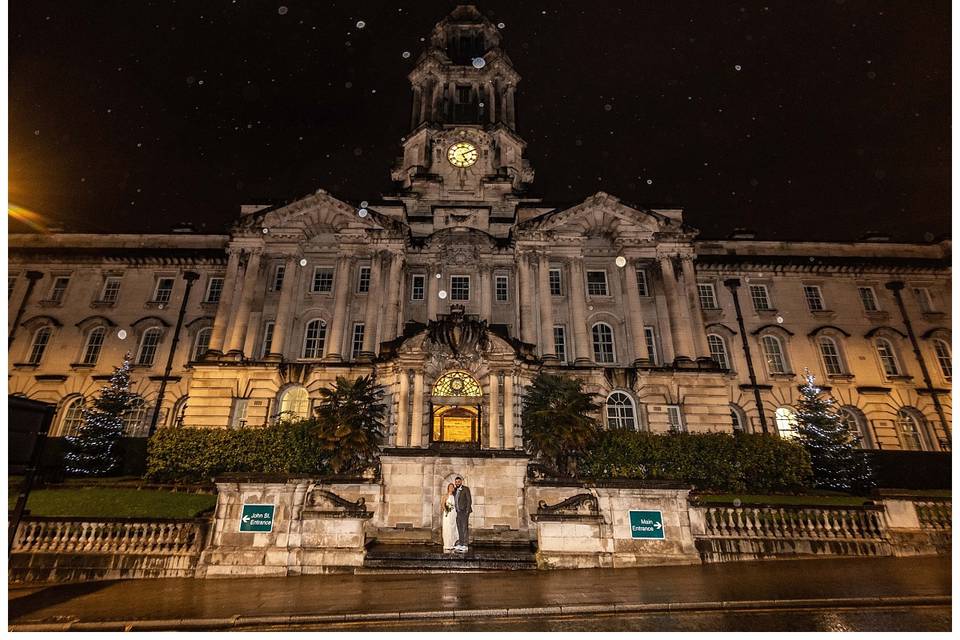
pixel 455 406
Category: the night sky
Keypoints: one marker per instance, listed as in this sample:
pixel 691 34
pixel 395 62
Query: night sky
pixel 800 120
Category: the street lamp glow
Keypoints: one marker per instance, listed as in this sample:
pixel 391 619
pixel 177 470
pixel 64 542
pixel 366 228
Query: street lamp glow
pixel 621 261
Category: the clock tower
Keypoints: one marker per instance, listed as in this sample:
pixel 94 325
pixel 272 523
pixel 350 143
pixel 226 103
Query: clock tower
pixel 463 150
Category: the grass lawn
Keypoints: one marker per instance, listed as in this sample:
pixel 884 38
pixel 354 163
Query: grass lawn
pixel 824 500
pixel 114 503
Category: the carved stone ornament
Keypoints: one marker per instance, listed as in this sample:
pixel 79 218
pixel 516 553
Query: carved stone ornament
pixel 459 254
pixel 580 504
pixel 329 503
pixel 462 334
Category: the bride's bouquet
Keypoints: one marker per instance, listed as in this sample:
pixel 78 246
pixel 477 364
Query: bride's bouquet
pixel 447 507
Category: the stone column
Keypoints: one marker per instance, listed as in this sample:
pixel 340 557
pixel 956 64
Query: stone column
pixel 333 345
pixel 491 103
pixel 511 112
pixel 239 329
pixel 493 423
pixel 416 432
pixel 374 308
pixel 528 332
pixel 682 340
pixel 547 347
pixel 394 285
pixel 403 399
pixel 578 305
pixel 486 294
pixel 225 307
pixel 693 304
pixel 640 354
pixel 281 324
pixel 433 287
pixel 508 410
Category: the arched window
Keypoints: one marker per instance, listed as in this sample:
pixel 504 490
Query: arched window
pixel 179 410
pixel 147 352
pixel 295 403
pixel 621 413
pixel 888 357
pixel 773 354
pixel 135 418
pixel 202 343
pixel 72 417
pixel 738 419
pixel 718 350
pixel 313 338
pixel 856 423
pixel 603 351
pixel 944 358
pixel 909 429
pixel 39 344
pixel 786 421
pixel 91 350
pixel 830 354
pixel 457 384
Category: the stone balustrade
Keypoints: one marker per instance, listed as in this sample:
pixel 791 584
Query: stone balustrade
pixel 934 514
pixel 122 536
pixel 816 523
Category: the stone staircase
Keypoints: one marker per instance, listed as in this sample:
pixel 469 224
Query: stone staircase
pixel 430 558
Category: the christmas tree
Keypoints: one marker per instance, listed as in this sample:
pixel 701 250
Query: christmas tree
pixel 94 450
pixel 837 464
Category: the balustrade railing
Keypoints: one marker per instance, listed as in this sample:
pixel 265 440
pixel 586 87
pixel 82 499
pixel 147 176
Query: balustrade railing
pixel 934 514
pixel 124 536
pixel 864 523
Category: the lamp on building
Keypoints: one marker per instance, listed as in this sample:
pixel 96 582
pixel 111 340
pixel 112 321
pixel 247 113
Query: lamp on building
pixel 620 262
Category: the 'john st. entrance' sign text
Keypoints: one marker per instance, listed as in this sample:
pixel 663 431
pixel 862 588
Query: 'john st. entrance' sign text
pixel 257 518
pixel 646 524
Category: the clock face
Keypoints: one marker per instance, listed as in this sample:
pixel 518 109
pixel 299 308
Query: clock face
pixel 462 154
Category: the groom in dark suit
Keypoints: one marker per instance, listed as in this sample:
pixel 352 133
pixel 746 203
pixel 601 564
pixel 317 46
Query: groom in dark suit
pixel 464 506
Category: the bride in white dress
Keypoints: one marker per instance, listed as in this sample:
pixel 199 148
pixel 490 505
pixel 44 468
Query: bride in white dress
pixel 448 519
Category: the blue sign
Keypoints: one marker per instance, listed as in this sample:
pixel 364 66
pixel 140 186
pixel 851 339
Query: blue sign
pixel 257 518
pixel 646 524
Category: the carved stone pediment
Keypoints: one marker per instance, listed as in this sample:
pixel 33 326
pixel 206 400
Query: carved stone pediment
pixel 463 335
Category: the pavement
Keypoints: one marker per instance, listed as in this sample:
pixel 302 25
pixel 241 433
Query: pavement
pixel 184 603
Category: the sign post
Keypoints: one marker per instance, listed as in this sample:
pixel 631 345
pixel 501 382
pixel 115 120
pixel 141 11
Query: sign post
pixel 646 524
pixel 257 518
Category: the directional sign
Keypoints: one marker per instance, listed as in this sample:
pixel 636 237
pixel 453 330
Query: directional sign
pixel 646 524
pixel 257 518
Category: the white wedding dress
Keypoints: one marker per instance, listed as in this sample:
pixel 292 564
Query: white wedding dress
pixel 448 526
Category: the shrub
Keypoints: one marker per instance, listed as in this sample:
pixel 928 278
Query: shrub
pixel 197 455
pixel 709 461
pixel 557 421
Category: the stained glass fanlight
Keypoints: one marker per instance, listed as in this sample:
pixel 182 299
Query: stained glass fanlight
pixel 457 383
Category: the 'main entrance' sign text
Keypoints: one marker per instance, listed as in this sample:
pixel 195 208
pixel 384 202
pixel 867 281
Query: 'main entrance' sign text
pixel 646 524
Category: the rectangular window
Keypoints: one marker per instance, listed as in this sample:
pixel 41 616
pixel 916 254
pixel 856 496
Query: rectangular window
pixel 560 343
pixel 363 280
pixel 267 340
pixel 868 298
pixel 59 289
pixel 238 413
pixel 357 340
pixel 148 347
pixel 759 297
pixel 556 282
pixel 675 417
pixel 418 285
pixel 460 288
pixel 651 338
pixel 597 283
pixel 111 289
pixel 164 290
pixel 279 271
pixel 708 297
pixel 322 280
pixel 642 285
pixel 501 284
pixel 924 299
pixel 40 341
pixel 831 357
pixel 94 343
pixel 214 289
pixel 814 297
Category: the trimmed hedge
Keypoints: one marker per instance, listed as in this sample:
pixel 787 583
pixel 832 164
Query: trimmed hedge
pixel 197 455
pixel 709 461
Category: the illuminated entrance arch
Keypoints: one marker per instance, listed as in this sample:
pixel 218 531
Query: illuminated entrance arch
pixel 455 406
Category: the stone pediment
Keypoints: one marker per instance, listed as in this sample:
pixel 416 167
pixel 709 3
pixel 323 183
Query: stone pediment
pixel 604 214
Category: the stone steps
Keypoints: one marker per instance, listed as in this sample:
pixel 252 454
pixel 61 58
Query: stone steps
pixel 429 558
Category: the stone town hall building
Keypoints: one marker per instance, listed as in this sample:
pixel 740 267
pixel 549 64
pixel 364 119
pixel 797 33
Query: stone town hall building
pixel 456 290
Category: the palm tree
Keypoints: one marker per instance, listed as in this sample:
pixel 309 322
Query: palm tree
pixel 557 421
pixel 349 423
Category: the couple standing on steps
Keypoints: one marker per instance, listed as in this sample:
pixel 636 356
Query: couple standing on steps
pixel 455 515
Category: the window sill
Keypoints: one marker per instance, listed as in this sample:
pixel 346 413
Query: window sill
pixel 50 303
pixel 765 313
pixel 933 315
pixel 840 376
pixel 822 313
pixel 155 304
pixel 25 365
pixel 207 304
pixel 899 378
pixel 877 315
pixel 80 365
pixel 103 304
pixel 781 376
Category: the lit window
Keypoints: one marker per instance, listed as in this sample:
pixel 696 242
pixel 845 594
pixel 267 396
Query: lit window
pixel 148 347
pixel 597 283
pixel 111 289
pixel 642 285
pixel 457 384
pixel 295 403
pixel 620 411
pixel 418 287
pixel 135 418
pixel 164 290
pixel 651 339
pixel 72 417
pixel 737 419
pixel 214 290
pixel 773 354
pixel 759 297
pixel 502 288
pixel 357 340
pixel 40 340
pixel 314 338
pixel 786 421
pixel 718 350
pixel 924 299
pixel 460 288
pixel 279 271
pixel 91 351
pixel 888 357
pixel 708 297
pixel 603 351
pixel 267 339
pixel 814 298
pixel 854 426
pixel 322 280
pixel 556 282
pixel 363 280
pixel 675 416
pixel 908 428
pixel 59 289
pixel 830 354
pixel 868 298
pixel 238 413
pixel 560 343
pixel 202 343
pixel 944 358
